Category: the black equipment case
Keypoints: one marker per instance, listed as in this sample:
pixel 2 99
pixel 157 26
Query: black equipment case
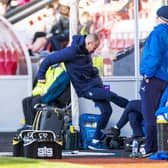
pixel 37 144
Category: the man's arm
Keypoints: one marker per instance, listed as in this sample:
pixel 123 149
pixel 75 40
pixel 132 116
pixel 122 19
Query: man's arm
pixel 63 55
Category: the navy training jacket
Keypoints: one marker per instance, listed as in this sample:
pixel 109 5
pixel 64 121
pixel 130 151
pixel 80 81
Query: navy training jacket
pixel 78 64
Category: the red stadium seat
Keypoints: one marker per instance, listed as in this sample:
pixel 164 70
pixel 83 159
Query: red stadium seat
pixel 113 43
pixel 129 42
pixel 120 44
pixel 11 61
pixel 2 61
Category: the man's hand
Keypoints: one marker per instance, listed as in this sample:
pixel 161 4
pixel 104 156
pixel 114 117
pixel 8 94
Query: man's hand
pixel 146 79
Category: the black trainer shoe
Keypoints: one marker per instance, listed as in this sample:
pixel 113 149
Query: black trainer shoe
pixel 111 131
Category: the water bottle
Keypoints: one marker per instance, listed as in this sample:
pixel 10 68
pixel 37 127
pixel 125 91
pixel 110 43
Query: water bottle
pixel 135 145
pixel 72 139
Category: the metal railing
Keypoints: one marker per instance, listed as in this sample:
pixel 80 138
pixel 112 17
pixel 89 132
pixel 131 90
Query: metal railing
pixel 24 11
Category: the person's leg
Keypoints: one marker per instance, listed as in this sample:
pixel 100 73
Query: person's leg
pixel 56 41
pixel 135 119
pixel 37 35
pixel 133 105
pixel 102 94
pixel 28 114
pixel 35 100
pixel 150 96
pixel 106 111
pixel 63 37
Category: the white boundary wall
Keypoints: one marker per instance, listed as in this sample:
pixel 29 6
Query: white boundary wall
pixel 13 88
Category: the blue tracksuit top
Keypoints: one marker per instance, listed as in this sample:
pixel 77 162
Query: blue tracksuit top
pixel 78 64
pixel 154 60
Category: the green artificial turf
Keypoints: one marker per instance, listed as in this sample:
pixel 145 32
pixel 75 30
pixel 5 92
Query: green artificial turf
pixel 18 162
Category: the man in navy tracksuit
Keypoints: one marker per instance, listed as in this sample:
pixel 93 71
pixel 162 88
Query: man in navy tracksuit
pixel 85 79
pixel 154 69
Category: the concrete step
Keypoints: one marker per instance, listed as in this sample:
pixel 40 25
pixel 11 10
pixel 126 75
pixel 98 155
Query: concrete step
pixel 6 141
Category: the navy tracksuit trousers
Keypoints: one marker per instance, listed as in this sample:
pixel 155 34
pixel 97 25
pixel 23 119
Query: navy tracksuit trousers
pixel 133 115
pixel 102 98
pixel 150 95
pixel 56 41
pixel 28 108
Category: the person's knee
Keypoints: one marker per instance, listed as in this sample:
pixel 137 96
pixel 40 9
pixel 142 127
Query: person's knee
pixel 129 105
pixel 134 105
pixel 26 99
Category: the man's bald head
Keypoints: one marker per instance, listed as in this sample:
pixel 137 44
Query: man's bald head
pixel 92 42
pixel 92 38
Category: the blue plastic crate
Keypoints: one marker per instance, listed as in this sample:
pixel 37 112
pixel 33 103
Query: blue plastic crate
pixel 88 123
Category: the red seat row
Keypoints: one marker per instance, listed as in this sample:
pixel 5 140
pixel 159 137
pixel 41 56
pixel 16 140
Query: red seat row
pixel 8 60
pixel 120 44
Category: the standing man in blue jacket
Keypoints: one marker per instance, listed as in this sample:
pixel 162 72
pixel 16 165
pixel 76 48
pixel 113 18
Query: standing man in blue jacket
pixel 85 79
pixel 154 69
